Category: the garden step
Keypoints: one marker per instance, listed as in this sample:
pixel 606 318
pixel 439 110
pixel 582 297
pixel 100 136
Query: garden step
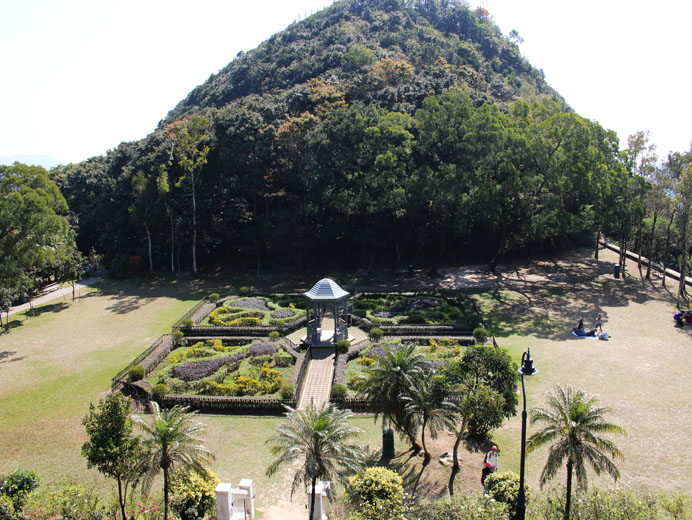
pixel 318 380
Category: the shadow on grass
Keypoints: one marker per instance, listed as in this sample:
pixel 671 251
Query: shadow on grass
pixel 14 323
pixel 53 307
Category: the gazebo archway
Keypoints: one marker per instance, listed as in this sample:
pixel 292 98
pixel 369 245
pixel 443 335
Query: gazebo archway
pixel 324 298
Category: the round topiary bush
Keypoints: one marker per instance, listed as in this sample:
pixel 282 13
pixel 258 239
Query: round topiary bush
pixel 339 391
pixel 376 493
pixel 178 338
pixel 287 392
pixel 213 297
pixel 244 290
pixel 343 345
pixel 503 487
pixel 159 390
pixel 137 373
pixel 376 334
pixel 480 335
pixel 274 335
pixel 187 322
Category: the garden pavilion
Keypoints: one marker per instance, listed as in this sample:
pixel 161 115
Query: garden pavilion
pixel 327 312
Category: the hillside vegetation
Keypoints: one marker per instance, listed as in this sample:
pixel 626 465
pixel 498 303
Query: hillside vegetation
pixel 376 132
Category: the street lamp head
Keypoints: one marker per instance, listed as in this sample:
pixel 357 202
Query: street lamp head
pixel 527 368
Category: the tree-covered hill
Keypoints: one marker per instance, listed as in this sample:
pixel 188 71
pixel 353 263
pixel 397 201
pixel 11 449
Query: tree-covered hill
pixel 376 132
pixel 391 52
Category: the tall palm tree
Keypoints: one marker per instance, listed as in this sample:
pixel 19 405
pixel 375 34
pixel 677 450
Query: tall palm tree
pixel 172 440
pixel 315 437
pixel 426 404
pixel 388 380
pixel 573 421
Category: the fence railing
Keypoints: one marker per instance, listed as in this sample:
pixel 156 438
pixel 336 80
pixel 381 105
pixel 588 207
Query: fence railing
pixel 228 405
pixel 178 324
pixel 165 341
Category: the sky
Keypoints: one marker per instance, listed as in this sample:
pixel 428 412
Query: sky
pixel 79 77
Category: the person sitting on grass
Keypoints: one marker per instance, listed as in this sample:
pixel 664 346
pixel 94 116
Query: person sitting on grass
pixel 580 325
pixel 678 319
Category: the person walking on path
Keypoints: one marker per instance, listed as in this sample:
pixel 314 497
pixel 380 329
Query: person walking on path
pixel 491 458
pixel 599 322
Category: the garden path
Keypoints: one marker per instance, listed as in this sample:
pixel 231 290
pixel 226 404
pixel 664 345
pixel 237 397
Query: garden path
pixel 318 381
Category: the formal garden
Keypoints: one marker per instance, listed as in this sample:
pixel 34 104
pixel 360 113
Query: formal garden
pixel 112 323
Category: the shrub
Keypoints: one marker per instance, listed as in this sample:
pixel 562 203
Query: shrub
pixel 343 345
pixel 260 360
pixel 415 318
pixel 376 334
pixel 7 510
pixel 274 335
pixel 69 500
pixel 214 388
pixel 248 385
pixel 287 391
pixel 376 493
pixel 178 338
pixel 201 369
pixel 262 348
pixel 17 485
pixel 159 390
pixel 187 322
pixel 137 373
pixel 480 335
pixel 193 494
pixel 283 359
pixel 503 487
pixel 339 391
pixel 244 290
pixel 366 361
pixel 240 322
pixel 461 507
pixel 283 313
pixel 359 312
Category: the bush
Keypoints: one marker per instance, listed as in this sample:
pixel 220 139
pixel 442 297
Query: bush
pixel 17 485
pixel 137 373
pixel 67 500
pixel 241 322
pixel 461 507
pixel 178 338
pixel 187 322
pixel 159 390
pixel 339 391
pixel 503 487
pixel 376 493
pixel 343 345
pixel 359 313
pixel 201 369
pixel 213 297
pixel 287 391
pixel 7 510
pixel 283 359
pixel 244 290
pixel 376 334
pixel 414 319
pixel 193 494
pixel 260 360
pixel 480 335
pixel 262 348
pixel 274 335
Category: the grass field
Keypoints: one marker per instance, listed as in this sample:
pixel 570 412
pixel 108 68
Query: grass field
pixel 53 365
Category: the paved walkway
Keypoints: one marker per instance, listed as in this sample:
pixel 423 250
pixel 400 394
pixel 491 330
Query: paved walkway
pixel 54 294
pixel 318 380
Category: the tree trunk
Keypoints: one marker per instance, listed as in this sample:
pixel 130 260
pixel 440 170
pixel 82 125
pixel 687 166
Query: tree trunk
pixel 422 438
pixel 312 498
pixel 165 493
pixel 457 443
pixel 151 261
pixel 72 290
pixel 665 254
pixel 639 249
pixel 683 265
pixel 172 244
pixel 121 499
pixel 194 228
pixel 651 246
pixel 568 498
pixel 595 253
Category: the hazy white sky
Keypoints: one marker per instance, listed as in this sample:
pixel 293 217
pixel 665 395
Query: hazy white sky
pixel 79 76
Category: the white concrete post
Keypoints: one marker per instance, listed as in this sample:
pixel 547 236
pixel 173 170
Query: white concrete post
pixel 249 499
pixel 223 500
pixel 321 489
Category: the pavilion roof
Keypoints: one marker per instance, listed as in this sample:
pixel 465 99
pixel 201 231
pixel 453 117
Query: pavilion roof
pixel 326 290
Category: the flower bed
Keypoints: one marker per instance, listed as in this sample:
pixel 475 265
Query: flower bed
pixel 411 310
pixel 437 352
pixel 211 367
pixel 255 311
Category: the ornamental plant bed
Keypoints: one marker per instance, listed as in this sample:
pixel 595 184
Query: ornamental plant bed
pixel 257 311
pixel 256 368
pixel 412 310
pixel 438 352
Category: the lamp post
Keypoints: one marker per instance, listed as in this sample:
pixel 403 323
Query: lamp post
pixel 526 369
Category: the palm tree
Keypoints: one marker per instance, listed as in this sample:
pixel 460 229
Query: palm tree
pixel 315 437
pixel 573 421
pixel 172 440
pixel 390 378
pixel 426 404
